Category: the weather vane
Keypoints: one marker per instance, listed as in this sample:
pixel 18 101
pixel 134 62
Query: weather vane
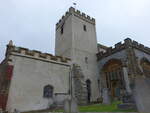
pixel 74 4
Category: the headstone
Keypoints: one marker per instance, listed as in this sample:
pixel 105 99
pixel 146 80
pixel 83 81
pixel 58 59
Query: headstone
pixel 128 102
pixel 70 106
pixel 128 98
pixel 74 106
pixel 67 106
pixel 106 96
pixel 127 106
pixel 142 94
pixel 16 111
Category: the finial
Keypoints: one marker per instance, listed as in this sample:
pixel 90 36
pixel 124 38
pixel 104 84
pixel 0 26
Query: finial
pixel 10 43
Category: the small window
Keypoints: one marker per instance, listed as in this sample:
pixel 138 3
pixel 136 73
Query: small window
pixel 86 60
pixel 48 91
pixel 62 29
pixel 84 28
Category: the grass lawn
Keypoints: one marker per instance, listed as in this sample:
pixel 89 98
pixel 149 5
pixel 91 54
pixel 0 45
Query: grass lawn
pixel 92 108
pixel 102 108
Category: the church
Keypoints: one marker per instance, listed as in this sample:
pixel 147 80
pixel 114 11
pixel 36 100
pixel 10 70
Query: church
pixel 32 80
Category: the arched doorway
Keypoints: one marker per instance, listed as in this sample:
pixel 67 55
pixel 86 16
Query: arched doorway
pixel 146 67
pixel 113 76
pixel 88 85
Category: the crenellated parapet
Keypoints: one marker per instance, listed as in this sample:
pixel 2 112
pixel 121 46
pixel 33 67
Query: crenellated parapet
pixel 120 46
pixel 73 11
pixel 20 51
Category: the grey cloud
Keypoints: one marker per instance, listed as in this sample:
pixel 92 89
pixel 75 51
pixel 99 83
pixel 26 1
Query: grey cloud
pixel 31 23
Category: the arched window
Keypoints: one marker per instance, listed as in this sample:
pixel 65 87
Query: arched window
pixel 48 91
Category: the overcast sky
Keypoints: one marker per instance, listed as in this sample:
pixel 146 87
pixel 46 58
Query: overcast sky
pixel 31 23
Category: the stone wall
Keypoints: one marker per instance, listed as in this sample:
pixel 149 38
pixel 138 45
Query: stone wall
pixel 34 54
pixel 80 88
pixel 3 93
pixel 32 71
pixel 6 71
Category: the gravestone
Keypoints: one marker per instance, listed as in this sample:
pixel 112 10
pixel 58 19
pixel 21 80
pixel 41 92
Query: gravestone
pixel 128 98
pixel 16 111
pixel 67 106
pixel 128 102
pixel 74 106
pixel 106 96
pixel 142 94
pixel 70 106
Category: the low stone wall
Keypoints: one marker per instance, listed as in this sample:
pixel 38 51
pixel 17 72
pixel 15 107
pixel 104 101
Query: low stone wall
pixel 20 51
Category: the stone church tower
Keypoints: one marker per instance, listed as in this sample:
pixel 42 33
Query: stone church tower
pixel 76 39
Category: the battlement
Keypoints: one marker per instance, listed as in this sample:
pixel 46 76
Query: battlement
pixel 120 46
pixel 11 49
pixel 73 11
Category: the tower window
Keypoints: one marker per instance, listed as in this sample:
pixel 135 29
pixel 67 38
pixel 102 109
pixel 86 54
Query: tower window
pixel 62 29
pixel 84 28
pixel 86 60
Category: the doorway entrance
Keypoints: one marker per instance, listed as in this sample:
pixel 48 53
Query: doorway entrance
pixel 88 85
pixel 115 89
pixel 114 78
